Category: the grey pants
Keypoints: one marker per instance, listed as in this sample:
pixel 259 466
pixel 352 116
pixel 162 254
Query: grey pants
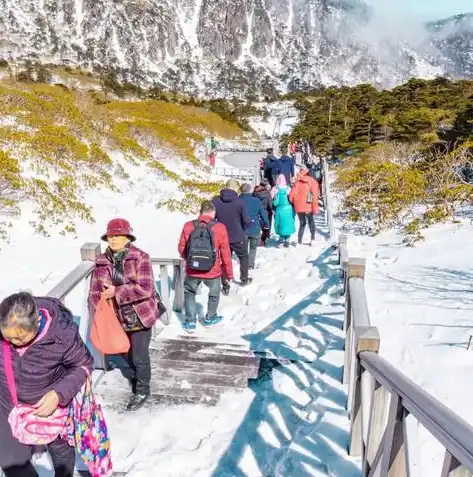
pixel 190 290
pixel 253 243
pixel 303 220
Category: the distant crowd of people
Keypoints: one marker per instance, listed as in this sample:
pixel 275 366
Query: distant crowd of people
pixel 239 220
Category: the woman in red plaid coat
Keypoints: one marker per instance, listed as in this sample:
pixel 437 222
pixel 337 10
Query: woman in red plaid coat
pixel 124 274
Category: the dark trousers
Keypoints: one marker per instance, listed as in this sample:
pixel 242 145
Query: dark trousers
pixel 303 219
pixel 241 251
pixel 139 360
pixel 190 290
pixel 253 243
pixel 62 455
pixel 265 234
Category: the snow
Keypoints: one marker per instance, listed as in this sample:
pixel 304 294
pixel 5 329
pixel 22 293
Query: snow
pixel 290 421
pixel 292 424
pixel 420 299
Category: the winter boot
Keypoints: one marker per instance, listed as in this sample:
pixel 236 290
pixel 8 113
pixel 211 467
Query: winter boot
pixel 247 281
pixel 137 401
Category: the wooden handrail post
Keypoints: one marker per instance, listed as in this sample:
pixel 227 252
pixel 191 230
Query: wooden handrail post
pixel 376 424
pixel 366 339
pixel 89 252
pixel 163 273
pixel 178 285
pixel 355 269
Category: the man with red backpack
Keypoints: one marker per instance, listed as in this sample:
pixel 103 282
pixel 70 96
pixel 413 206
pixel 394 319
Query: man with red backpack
pixel 205 247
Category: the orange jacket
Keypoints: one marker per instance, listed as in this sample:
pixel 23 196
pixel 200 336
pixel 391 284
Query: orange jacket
pixel 300 195
pixel 223 262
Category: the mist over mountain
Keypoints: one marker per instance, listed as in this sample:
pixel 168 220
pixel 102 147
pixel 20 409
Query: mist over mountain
pixel 221 47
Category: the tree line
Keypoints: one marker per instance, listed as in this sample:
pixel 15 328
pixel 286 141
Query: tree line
pixel 410 150
pixel 353 119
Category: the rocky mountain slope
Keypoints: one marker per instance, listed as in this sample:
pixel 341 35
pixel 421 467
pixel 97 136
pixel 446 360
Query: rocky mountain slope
pixel 219 46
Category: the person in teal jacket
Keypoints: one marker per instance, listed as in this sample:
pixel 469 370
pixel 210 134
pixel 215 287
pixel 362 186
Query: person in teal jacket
pixel 284 217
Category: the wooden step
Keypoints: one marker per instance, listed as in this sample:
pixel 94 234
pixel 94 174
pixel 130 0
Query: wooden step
pixel 203 346
pixel 184 355
pixel 186 368
pixel 116 394
pixel 205 368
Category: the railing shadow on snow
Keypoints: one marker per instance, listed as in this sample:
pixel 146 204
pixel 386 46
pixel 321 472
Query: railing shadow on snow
pixel 302 446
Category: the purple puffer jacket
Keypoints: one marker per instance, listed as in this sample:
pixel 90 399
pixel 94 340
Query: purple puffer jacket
pixel 59 361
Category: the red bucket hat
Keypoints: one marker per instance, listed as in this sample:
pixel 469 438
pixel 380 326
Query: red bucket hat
pixel 119 227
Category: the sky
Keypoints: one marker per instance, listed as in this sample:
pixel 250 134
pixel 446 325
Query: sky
pixel 425 9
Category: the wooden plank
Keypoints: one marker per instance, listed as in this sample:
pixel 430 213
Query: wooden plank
pixel 165 261
pixel 110 391
pixel 205 368
pixel 203 347
pixel 359 305
pixel 347 357
pixel 178 286
pixel 116 398
pixel 394 463
pixel 70 281
pixel 163 273
pixel 452 468
pixel 173 378
pixel 184 355
pixel 356 427
pixel 343 250
pixel 454 433
pixel 376 425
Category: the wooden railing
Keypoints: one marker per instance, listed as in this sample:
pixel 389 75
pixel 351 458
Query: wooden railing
pixel 380 397
pixel 248 174
pixel 83 273
pixel 328 202
pixel 246 145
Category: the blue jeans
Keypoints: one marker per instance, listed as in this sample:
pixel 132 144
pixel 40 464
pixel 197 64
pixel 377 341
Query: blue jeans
pixel 190 290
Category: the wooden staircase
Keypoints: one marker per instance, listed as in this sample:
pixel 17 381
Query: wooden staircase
pixel 184 369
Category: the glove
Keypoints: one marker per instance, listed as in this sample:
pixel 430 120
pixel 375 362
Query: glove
pixel 225 289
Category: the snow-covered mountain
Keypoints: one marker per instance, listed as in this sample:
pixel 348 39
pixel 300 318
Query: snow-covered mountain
pixel 454 38
pixel 222 46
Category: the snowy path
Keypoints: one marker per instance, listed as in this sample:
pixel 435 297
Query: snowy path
pixel 291 421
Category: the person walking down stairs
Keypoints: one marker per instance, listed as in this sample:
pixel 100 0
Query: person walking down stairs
pixel 263 193
pixel 258 216
pixel 231 212
pixel 304 196
pixel 124 276
pixel 205 248
pixel 284 218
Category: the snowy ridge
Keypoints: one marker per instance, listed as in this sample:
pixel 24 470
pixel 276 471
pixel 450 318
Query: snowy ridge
pixel 231 46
